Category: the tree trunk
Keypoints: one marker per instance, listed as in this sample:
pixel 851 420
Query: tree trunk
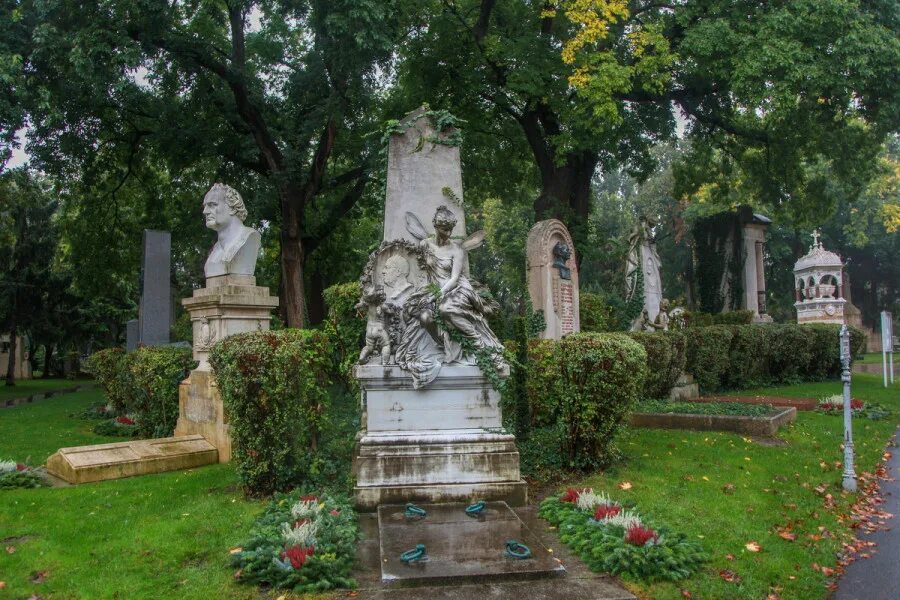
pixel 11 367
pixel 316 307
pixel 292 257
pixel 48 360
pixel 566 190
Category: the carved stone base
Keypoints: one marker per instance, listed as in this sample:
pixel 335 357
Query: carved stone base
pixel 200 412
pixel 685 389
pixel 444 443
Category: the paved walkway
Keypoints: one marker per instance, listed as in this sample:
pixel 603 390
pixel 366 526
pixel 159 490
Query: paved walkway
pixel 878 577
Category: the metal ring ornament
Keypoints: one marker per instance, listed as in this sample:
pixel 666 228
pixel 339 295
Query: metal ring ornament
pixel 473 510
pixel 417 554
pixel 518 550
pixel 414 512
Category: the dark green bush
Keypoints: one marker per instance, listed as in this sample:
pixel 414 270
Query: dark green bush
pixel 274 386
pixel 665 360
pixel 595 380
pixel 595 313
pixel 110 368
pixel 345 327
pixel 748 356
pixel 791 352
pixel 732 317
pixel 156 372
pixel 706 351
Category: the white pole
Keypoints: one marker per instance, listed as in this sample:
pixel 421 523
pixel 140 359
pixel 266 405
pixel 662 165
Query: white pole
pixel 884 366
pixel 849 479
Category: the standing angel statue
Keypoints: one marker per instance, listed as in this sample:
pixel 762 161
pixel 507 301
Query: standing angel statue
pixel 459 304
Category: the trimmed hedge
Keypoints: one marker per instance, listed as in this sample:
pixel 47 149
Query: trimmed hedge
pixel 156 372
pixel 144 383
pixel 731 317
pixel 345 327
pixel 595 313
pixel 665 360
pixel 274 386
pixel 110 368
pixel 741 356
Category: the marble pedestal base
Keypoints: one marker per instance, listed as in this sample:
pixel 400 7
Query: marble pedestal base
pixel 229 304
pixel 444 443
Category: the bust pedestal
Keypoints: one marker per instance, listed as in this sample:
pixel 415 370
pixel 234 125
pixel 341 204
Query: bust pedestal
pixel 443 443
pixel 228 304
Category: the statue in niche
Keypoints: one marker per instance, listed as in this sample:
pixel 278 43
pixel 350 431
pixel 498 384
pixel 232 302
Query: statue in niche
pixel 237 245
pixel 562 253
pixel 642 255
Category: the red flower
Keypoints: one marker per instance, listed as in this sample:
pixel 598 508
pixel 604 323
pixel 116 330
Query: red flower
pixel 21 467
pixel 297 555
pixel 856 404
pixel 571 495
pixel 639 535
pixel 335 512
pixel 124 420
pixel 309 498
pixel 606 510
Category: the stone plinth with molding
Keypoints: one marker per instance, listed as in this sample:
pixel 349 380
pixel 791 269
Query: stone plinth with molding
pixel 229 304
pixel 444 443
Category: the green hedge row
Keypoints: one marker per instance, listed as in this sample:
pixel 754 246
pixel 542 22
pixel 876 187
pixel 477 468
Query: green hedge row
pixel 578 391
pixel 144 383
pixel 274 387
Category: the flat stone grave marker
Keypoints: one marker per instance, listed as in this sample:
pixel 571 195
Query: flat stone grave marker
pixel 460 548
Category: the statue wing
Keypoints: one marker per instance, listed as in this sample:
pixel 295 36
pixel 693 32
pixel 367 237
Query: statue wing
pixel 474 241
pixel 414 226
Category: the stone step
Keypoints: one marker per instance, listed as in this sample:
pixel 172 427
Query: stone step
pixel 100 462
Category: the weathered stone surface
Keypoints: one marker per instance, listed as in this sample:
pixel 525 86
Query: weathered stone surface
pixel 84 464
pixel 685 389
pixel 201 412
pixel 460 548
pixel 763 426
pixel 155 312
pixel 553 278
pixel 418 171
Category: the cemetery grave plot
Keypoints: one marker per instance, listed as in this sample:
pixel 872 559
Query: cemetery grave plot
pixel 752 419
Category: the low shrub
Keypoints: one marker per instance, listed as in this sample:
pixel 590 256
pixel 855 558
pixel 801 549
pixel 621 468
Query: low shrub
pixel 110 368
pixel 595 380
pixel 596 314
pixel 274 387
pixel 345 327
pixel 156 373
pixel 665 360
pixel 16 475
pixel 707 355
pixel 118 427
pixel 301 543
pixel 612 539
pixel 748 356
pixel 732 317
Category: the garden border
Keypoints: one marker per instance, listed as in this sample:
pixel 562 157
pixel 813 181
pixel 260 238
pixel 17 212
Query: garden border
pixel 764 426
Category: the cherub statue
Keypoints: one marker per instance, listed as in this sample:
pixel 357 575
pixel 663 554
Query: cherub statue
pixel 378 324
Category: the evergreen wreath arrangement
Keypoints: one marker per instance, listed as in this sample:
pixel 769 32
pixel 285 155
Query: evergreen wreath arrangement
pixel 613 539
pixel 16 475
pixel 301 542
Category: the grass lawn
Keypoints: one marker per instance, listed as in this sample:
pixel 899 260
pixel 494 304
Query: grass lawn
pixel 679 478
pixel 27 387
pixel 158 536
pixel 874 358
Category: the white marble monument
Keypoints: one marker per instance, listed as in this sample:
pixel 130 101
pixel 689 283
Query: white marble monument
pixel 553 278
pixel 644 259
pixel 230 303
pixel 432 427
pixel 818 285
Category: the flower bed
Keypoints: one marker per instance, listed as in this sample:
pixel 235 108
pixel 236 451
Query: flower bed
pixel 302 543
pixel 17 475
pixel 834 405
pixel 613 539
pixel 703 408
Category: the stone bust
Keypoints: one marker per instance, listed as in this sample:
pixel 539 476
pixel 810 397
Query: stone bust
pixel 562 253
pixel 237 246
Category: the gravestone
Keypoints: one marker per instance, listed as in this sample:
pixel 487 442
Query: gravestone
pixel 155 312
pixel 643 265
pixel 553 278
pixel 432 427
pixel 132 332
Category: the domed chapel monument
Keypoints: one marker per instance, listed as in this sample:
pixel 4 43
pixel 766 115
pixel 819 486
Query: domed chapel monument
pixel 818 285
pixel 431 428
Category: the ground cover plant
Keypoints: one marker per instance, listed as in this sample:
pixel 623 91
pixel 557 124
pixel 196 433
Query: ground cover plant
pixel 704 408
pixel 614 539
pixel 18 475
pixel 301 542
pixel 771 515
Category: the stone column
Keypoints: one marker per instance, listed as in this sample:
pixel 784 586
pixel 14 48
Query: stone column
pixel 229 304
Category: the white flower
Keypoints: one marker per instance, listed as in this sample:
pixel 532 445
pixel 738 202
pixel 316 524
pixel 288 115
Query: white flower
pixel 834 399
pixel 306 509
pixel 304 535
pixel 589 500
pixel 624 519
pixel 7 466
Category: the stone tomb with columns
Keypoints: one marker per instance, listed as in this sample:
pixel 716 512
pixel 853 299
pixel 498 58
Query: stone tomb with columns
pixel 432 429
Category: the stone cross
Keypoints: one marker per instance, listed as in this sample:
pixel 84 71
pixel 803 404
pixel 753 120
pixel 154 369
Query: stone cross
pixel 421 176
pixel 815 236
pixel 155 312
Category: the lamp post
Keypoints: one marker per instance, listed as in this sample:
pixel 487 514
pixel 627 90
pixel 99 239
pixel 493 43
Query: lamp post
pixel 849 473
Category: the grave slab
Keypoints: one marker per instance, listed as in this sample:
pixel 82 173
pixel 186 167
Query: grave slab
pixel 99 462
pixel 461 549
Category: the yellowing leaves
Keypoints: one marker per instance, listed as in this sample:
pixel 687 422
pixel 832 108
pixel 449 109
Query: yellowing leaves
pixel 753 547
pixel 594 18
pixel 625 485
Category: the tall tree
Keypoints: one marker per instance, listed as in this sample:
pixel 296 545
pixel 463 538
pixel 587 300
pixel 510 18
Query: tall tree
pixel 270 90
pixel 783 89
